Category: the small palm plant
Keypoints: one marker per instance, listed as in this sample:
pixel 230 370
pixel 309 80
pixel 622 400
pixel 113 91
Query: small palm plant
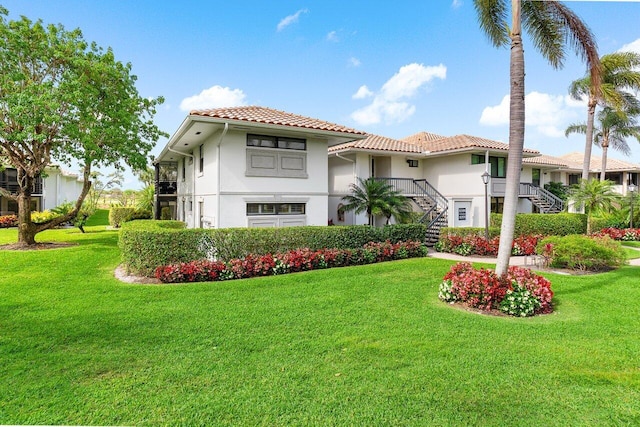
pixel 595 196
pixel 376 197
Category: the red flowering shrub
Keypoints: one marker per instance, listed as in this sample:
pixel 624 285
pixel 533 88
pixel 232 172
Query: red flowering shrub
pixel 477 245
pixel 627 234
pixel 8 221
pixel 288 262
pixel 520 292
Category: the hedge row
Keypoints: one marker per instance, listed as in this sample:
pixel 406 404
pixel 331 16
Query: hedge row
pixel 561 224
pixel 469 231
pixel 146 245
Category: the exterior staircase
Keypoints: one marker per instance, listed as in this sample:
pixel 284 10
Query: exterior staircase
pixel 544 200
pixel 432 204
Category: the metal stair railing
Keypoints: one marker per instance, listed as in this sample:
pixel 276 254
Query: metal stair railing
pixel 531 190
pixel 421 188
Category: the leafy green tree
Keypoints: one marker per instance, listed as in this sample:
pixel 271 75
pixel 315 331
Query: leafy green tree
pixel 551 26
pixel 620 77
pixel 146 195
pixel 64 99
pixel 376 197
pixel 596 196
pixel 616 126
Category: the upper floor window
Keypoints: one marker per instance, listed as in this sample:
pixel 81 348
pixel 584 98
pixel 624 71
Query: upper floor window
pixel 201 159
pixel 266 141
pixel 498 164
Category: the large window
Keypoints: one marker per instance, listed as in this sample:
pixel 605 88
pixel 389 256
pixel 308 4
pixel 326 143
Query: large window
pixel 266 141
pixel 574 178
pixel 498 164
pixel 497 204
pixel 275 209
pixel 615 177
pixel 275 156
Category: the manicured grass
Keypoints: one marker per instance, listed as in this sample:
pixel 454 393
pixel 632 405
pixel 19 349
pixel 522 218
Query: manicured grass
pixel 632 244
pixel 368 345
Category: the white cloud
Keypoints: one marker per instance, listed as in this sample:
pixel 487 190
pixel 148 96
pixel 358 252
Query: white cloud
pixel 389 103
pixel 291 19
pixel 634 46
pixel 332 36
pixel 354 62
pixel 214 97
pixel 456 4
pixel 548 114
pixel 363 92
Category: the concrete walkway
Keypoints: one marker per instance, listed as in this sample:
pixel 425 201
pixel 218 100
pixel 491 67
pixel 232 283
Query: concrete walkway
pixel 523 261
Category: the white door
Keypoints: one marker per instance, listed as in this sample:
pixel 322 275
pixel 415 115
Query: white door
pixel 462 214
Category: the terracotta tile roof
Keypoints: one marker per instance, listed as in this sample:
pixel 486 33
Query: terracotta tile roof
pixel 254 114
pixel 462 142
pixel 422 137
pixel 613 165
pixel 545 160
pixel 378 143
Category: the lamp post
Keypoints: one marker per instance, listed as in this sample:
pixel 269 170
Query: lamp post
pixel 485 181
pixel 632 189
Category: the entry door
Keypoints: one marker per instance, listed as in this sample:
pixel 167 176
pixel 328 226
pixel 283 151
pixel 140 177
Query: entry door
pixel 462 214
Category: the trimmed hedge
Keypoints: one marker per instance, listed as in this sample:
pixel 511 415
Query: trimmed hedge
pixel 469 231
pixel 146 245
pixel 561 224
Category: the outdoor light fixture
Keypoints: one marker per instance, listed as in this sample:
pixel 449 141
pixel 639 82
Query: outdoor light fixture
pixel 485 180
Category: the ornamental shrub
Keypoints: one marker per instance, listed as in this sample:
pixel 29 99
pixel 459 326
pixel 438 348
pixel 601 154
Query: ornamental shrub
pixel 560 224
pixel 626 234
pixel 146 245
pixel 119 215
pixel 472 244
pixel 43 217
pixel 288 262
pixel 519 293
pixel 8 221
pixel 585 253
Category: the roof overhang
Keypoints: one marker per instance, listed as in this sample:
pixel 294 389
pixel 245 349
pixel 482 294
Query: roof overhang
pixel 196 129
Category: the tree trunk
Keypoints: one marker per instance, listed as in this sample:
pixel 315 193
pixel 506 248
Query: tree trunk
pixel 603 167
pixel 26 228
pixel 591 111
pixel 516 142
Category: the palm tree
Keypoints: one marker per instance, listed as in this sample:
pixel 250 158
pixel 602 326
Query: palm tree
pixel 595 196
pixel 615 127
pixel 551 26
pixel 619 76
pixel 376 197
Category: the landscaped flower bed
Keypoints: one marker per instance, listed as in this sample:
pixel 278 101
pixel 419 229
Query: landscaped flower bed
pixel 519 293
pixel 627 234
pixel 8 221
pixel 287 262
pixel 478 245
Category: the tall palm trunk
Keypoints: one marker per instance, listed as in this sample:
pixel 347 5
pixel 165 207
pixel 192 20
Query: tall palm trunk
pixel 516 141
pixel 605 150
pixel 591 112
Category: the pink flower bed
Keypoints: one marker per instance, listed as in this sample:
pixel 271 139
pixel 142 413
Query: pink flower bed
pixel 627 234
pixel 478 245
pixel 288 262
pixel 8 221
pixel 520 292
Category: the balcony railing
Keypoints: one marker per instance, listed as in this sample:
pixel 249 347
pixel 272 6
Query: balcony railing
pixel 13 187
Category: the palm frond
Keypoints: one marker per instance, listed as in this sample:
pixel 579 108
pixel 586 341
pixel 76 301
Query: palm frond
pixel 576 128
pixel 493 16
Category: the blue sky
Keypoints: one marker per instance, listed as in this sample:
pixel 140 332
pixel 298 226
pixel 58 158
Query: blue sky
pixel 389 68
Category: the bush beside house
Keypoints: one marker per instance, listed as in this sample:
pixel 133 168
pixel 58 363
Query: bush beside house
pixel 146 245
pixel 560 224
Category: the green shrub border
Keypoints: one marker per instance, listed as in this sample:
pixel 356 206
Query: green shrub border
pixel 146 245
pixel 561 224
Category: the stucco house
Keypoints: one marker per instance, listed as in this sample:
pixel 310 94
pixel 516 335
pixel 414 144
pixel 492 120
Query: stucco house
pixel 55 188
pixel 247 167
pixel 442 175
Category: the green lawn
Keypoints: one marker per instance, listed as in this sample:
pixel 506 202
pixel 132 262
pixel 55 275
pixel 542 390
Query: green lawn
pixel 368 345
